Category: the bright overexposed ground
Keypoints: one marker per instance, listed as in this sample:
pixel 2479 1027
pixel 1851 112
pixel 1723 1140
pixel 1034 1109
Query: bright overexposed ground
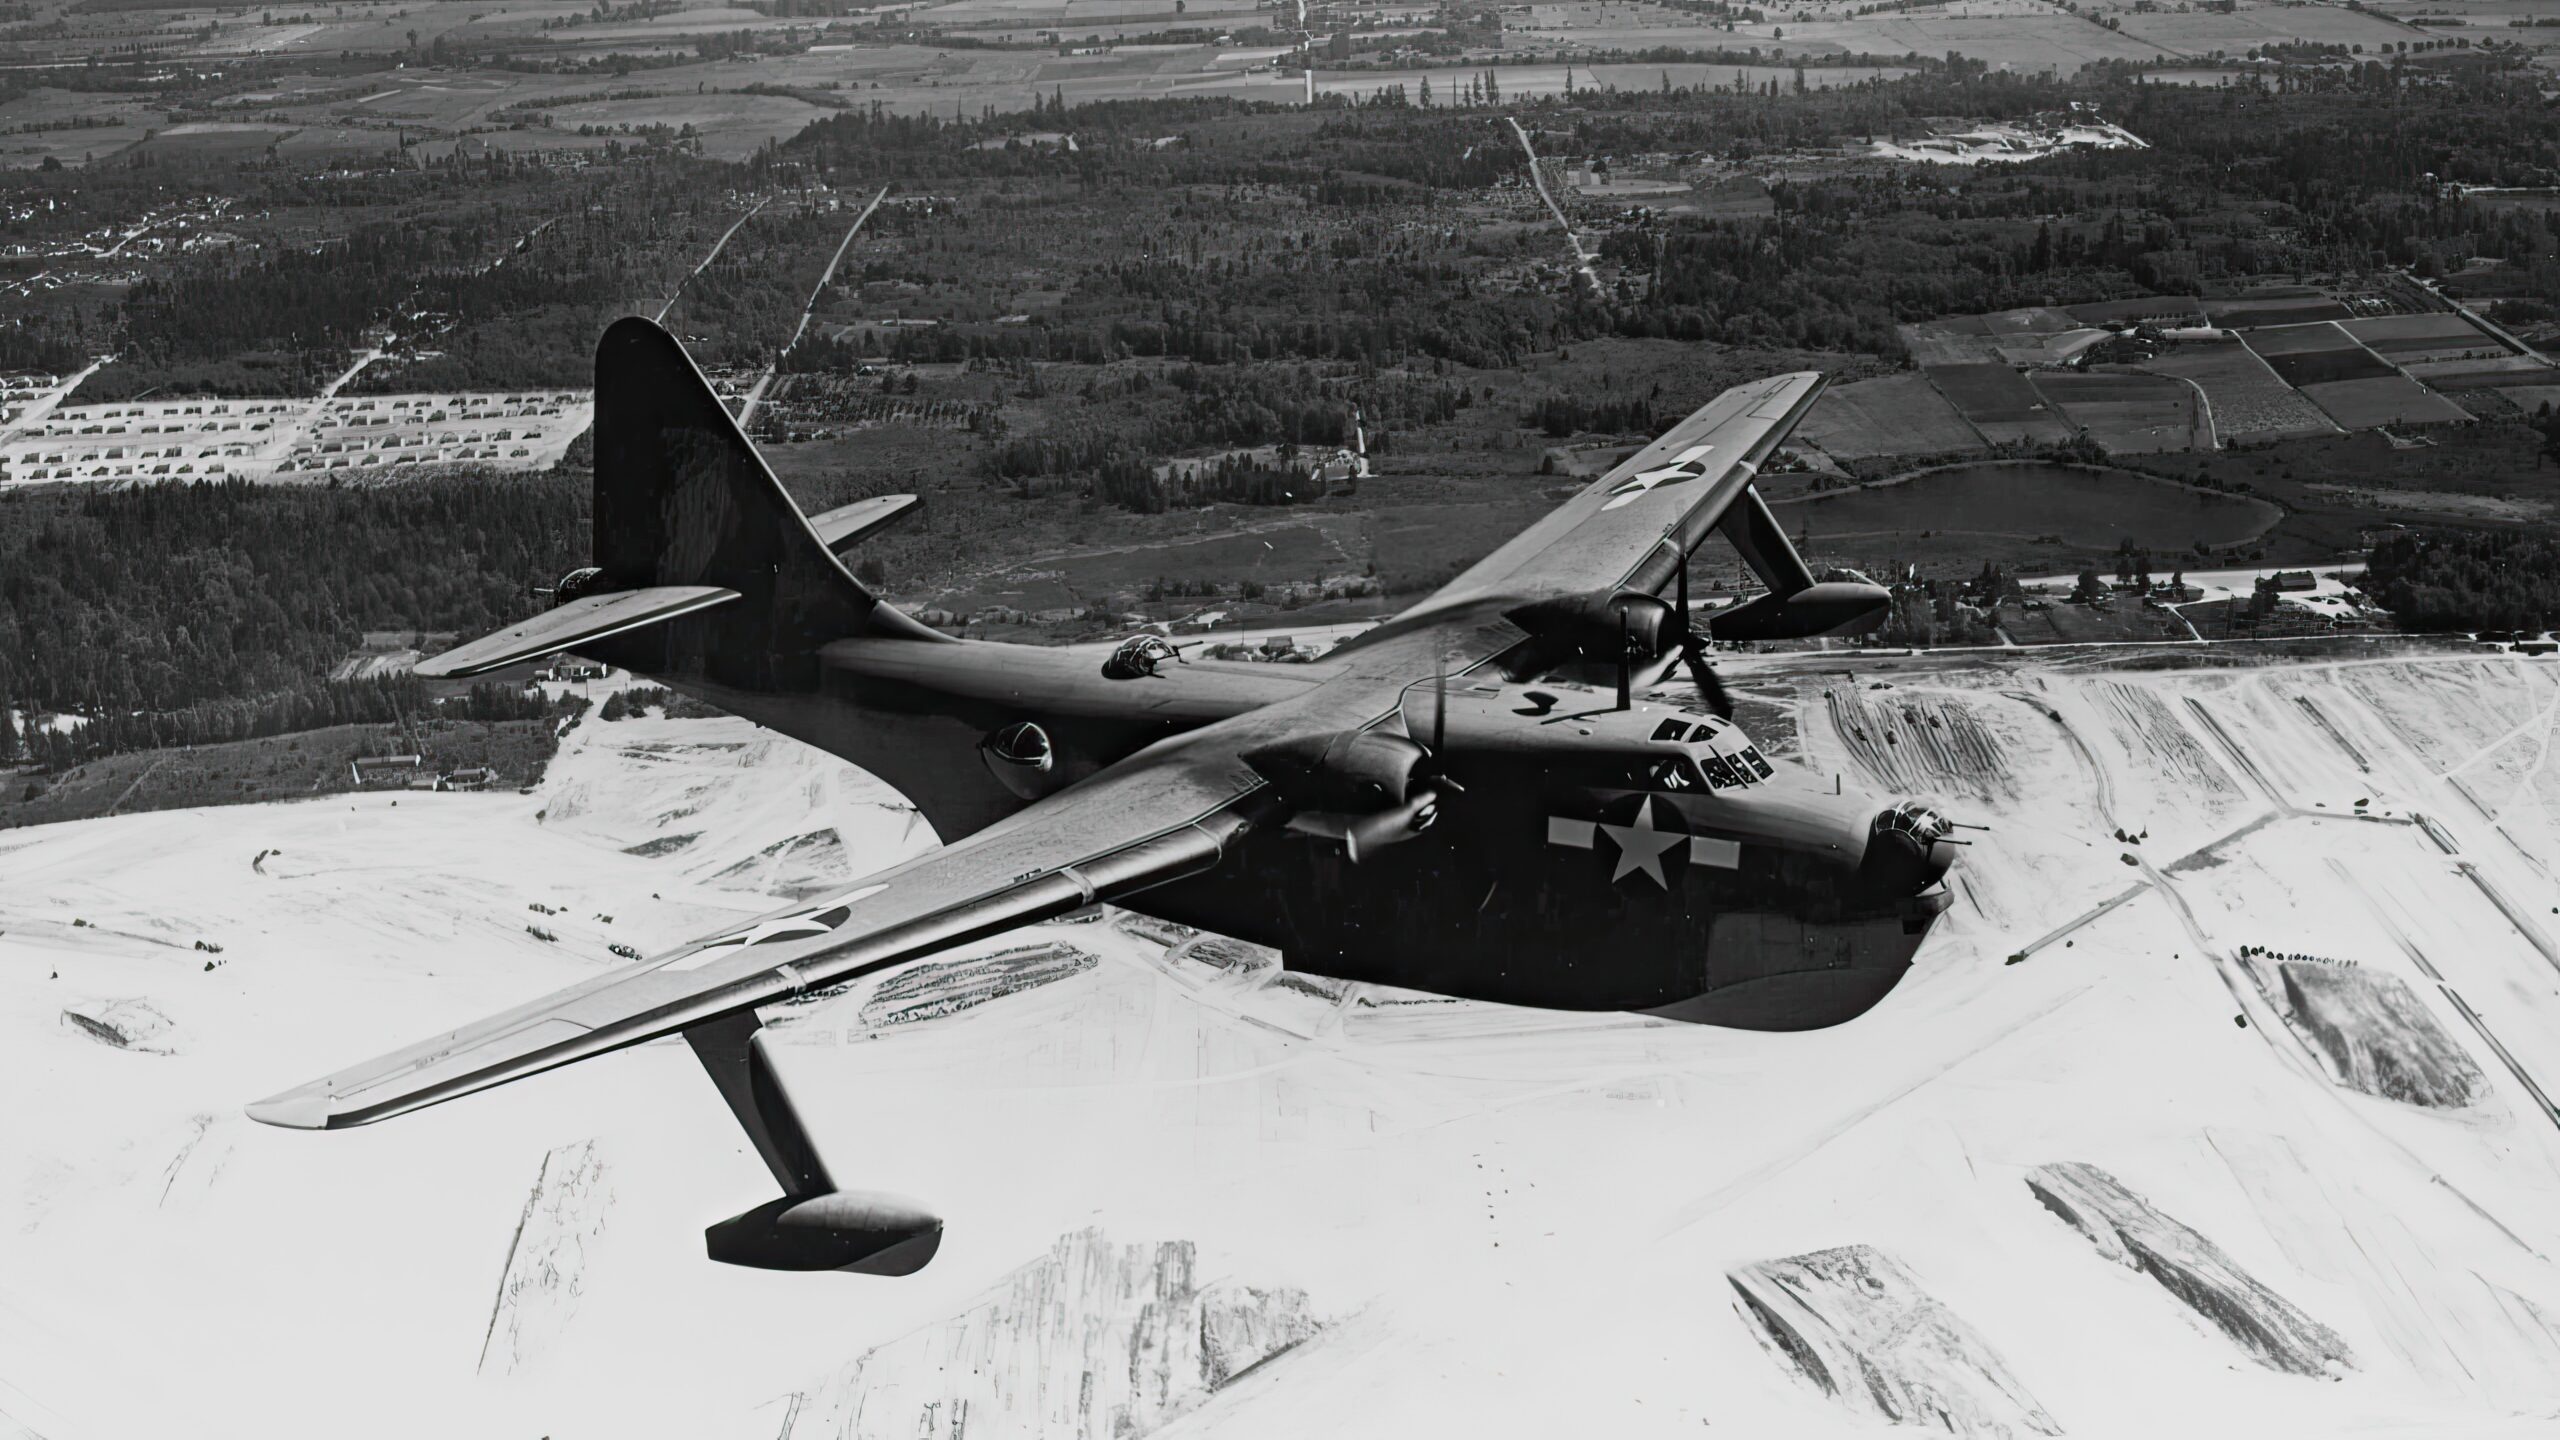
pixel 1511 1222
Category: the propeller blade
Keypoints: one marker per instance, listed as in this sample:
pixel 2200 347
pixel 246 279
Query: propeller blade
pixel 1439 707
pixel 1693 657
pixel 1693 650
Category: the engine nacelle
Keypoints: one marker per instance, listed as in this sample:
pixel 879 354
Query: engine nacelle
pixel 1347 771
pixel 1360 789
pixel 862 1232
pixel 1363 835
pixel 1600 625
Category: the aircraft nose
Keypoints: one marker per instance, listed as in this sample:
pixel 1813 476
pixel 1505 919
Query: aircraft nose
pixel 1908 849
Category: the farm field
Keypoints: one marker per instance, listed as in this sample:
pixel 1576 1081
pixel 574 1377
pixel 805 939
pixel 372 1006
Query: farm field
pixel 1893 415
pixel 2316 354
pixel 1532 80
pixel 2306 339
pixel 2086 508
pixel 1073 16
pixel 2201 33
pixel 2383 400
pixel 2028 41
pixel 2505 370
pixel 2249 403
pixel 2156 309
pixel 2533 398
pixel 1999 402
pixel 2252 312
pixel 2127 413
pixel 2481 19
pixel 1268 551
pixel 2408 338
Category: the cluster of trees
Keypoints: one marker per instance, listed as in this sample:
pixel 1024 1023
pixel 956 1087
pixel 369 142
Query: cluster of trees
pixel 1135 485
pixel 162 598
pixel 2490 580
pixel 309 704
pixel 1282 405
pixel 1563 415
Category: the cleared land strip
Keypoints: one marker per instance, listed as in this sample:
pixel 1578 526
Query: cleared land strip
pixel 716 247
pixel 1537 177
pixel 755 396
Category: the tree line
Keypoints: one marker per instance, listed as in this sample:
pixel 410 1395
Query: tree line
pixel 164 597
pixel 2468 580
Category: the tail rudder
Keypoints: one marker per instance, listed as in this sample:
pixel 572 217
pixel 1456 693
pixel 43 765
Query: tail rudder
pixel 683 499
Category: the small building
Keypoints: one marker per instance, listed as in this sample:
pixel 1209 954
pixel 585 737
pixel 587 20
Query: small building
pixel 477 777
pixel 377 770
pixel 2292 580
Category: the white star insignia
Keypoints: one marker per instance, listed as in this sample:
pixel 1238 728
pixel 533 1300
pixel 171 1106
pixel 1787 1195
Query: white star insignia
pixel 803 925
pixel 1641 847
pixel 1689 464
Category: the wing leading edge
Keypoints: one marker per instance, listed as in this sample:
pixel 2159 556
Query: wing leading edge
pixel 1629 527
pixel 1163 815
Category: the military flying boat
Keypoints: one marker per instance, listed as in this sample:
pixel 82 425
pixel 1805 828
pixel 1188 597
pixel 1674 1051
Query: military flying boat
pixel 1482 797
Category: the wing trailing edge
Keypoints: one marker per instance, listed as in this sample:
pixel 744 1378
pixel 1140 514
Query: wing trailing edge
pixel 1002 878
pixel 579 622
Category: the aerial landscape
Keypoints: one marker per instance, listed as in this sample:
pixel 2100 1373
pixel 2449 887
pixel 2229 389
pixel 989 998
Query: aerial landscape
pixel 2111 445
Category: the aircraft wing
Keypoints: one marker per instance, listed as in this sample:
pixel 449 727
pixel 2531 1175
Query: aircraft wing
pixel 1696 477
pixel 580 622
pixel 1163 814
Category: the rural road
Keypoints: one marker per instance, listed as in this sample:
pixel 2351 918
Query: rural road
pixel 716 247
pixel 1581 258
pixel 755 396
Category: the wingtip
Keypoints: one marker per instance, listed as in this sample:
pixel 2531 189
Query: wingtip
pixel 293 1110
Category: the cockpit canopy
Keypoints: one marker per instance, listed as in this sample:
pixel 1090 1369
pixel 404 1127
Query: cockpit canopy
pixel 1719 756
pixel 1576 730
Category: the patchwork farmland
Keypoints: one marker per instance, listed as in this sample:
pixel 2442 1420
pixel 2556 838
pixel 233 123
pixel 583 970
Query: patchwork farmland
pixel 2159 374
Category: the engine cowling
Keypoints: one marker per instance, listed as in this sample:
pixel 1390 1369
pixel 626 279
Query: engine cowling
pixel 1360 789
pixel 1600 625
pixel 1354 771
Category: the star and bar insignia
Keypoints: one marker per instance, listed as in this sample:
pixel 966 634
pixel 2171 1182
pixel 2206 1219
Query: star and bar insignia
pixel 1689 464
pixel 1643 845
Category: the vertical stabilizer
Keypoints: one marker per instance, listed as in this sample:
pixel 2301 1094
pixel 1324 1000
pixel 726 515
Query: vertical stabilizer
pixel 682 499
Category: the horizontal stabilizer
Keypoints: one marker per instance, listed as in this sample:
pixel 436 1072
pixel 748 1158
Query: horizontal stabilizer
pixel 839 528
pixel 580 622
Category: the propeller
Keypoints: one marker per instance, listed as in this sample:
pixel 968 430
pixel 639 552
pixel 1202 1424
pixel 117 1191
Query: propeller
pixel 1693 654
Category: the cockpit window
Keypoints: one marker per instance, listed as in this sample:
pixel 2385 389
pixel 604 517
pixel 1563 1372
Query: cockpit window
pixel 1671 730
pixel 1720 772
pixel 1751 753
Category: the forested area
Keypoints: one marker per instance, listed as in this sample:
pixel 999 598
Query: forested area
pixel 311 704
pixel 161 598
pixel 2497 580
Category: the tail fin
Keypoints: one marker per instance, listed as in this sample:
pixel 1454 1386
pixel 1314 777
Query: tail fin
pixel 682 499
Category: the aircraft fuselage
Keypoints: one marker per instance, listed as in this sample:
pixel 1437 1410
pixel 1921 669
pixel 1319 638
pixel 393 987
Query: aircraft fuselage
pixel 1580 861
